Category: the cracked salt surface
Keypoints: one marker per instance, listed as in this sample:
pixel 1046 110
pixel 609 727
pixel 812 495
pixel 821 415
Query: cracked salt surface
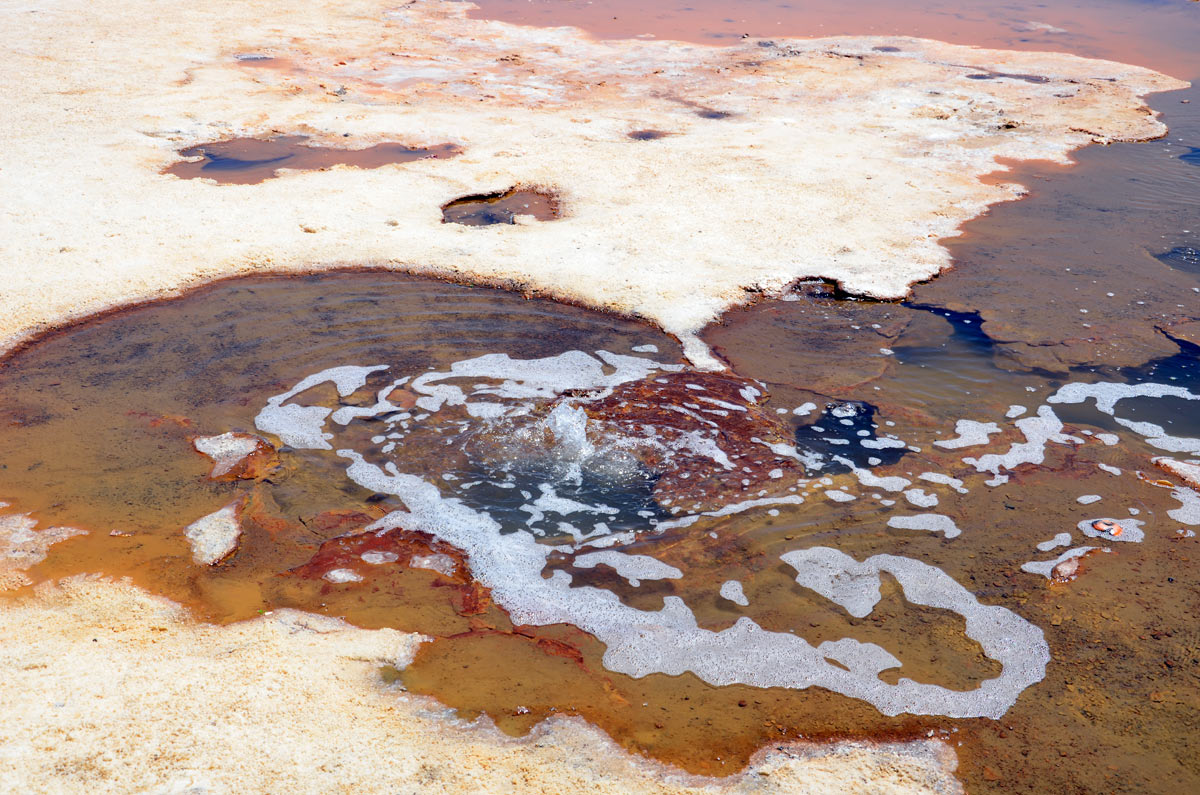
pixel 669 640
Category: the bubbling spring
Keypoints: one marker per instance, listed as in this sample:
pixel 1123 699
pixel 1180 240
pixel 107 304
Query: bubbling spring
pixel 583 523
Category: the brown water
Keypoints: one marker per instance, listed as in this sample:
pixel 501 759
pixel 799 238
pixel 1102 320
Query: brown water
pixel 248 161
pixel 1155 33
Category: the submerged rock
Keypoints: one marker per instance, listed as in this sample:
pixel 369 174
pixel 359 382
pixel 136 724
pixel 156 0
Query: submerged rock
pixel 238 456
pixel 1187 471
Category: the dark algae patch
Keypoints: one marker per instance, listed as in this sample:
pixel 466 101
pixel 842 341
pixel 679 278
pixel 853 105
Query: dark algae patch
pixel 247 161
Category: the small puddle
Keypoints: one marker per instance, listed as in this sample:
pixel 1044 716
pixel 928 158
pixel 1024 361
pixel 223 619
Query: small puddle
pixel 247 161
pixel 486 209
pixel 1009 76
pixel 648 135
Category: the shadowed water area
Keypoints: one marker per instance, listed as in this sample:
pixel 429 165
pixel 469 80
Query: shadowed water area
pixel 248 161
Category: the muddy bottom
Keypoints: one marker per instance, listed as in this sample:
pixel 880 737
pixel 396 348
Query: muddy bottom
pixel 576 517
pixel 247 161
pixel 501 208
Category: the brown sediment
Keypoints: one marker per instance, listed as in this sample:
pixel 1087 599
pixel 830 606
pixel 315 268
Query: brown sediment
pixel 249 161
pixel 819 341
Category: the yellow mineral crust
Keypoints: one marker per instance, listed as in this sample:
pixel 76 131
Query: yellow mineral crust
pixel 109 689
pixel 835 160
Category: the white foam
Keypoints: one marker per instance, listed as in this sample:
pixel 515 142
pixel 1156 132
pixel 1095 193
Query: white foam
pixel 633 568
pixel 1188 511
pixel 920 498
pixel 970 433
pixel 732 590
pixel 1038 430
pixel 1059 540
pixel 1088 499
pixel 1046 567
pixel 1107 396
pixel 931 522
pixel 804 409
pixel 945 480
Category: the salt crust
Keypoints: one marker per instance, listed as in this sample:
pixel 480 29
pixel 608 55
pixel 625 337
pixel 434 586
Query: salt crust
pixel 108 689
pixel 835 161
pixel 22 545
pixel 215 537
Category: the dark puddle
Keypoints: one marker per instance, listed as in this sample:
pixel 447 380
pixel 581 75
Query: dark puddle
pixel 1008 76
pixel 247 161
pixel 846 435
pixel 647 135
pixel 1192 156
pixel 486 209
